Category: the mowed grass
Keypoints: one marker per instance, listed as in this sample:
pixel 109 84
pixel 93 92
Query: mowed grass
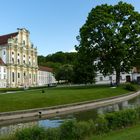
pixel 55 96
pixel 132 133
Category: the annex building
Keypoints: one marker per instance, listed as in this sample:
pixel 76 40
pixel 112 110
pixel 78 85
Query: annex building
pixel 18 61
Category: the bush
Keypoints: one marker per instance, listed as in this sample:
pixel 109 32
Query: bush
pixel 84 129
pixel 130 87
pixel 68 130
pixel 121 119
pixel 52 134
pixel 101 125
pixel 33 133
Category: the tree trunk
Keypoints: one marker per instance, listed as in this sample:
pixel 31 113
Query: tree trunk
pixel 117 77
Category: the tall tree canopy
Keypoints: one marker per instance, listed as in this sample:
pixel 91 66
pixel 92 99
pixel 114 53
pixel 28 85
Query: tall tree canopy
pixel 112 33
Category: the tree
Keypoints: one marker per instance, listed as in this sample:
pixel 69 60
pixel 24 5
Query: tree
pixel 113 33
pixel 84 70
pixel 65 73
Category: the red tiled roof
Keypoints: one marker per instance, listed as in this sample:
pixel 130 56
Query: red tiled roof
pixel 1 62
pixel 4 38
pixel 43 68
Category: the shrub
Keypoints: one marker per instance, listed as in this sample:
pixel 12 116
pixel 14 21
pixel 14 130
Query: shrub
pixel 68 130
pixel 121 119
pixel 83 129
pixel 32 133
pixel 138 112
pixel 101 125
pixel 130 87
pixel 52 134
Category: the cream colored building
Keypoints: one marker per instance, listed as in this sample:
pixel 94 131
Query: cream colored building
pixel 20 58
pixel 45 76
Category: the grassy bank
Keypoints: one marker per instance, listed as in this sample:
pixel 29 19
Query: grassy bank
pixel 55 96
pixel 131 133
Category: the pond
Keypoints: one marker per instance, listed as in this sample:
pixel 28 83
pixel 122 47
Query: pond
pixel 80 116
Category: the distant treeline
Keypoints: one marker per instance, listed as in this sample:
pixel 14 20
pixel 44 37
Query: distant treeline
pixel 57 59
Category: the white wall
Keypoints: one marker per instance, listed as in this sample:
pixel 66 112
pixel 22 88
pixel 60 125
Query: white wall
pixel 3 76
pixel 100 79
pixel 45 78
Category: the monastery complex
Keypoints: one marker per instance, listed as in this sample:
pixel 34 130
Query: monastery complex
pixel 18 62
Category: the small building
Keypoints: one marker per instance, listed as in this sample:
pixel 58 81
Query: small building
pixel 124 77
pixel 46 76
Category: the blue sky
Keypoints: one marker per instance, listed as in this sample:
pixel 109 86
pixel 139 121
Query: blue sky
pixel 53 24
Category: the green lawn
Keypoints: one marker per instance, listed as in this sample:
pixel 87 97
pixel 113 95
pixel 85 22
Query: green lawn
pixel 132 133
pixel 55 96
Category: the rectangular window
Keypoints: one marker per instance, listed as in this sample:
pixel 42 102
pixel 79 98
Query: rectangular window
pixel 12 60
pixel 13 77
pixel 4 70
pixel 110 78
pixel 34 77
pixel 101 78
pixel 18 61
pixel 4 76
pixel 18 75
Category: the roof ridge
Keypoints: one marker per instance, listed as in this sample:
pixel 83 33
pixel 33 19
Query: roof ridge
pixel 9 34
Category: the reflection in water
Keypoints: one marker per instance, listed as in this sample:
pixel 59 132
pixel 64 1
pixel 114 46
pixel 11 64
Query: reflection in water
pixel 80 116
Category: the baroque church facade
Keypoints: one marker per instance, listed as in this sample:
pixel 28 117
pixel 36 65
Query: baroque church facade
pixel 18 60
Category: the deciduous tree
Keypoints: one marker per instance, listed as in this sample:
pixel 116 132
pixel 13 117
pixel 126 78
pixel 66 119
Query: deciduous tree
pixel 113 34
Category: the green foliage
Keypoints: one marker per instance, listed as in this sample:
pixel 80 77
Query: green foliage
pixel 111 35
pixel 101 125
pixel 130 87
pixel 84 70
pixel 74 130
pixel 52 134
pixel 33 133
pixel 65 72
pixel 57 59
pixel 68 130
pixel 84 129
pixel 121 119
